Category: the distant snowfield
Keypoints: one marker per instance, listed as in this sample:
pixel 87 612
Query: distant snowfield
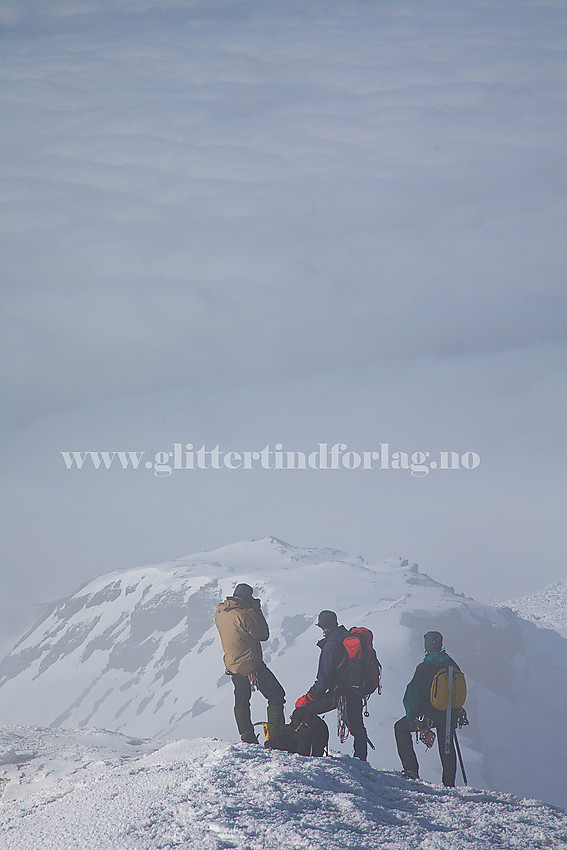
pixel 97 789
pixel 547 609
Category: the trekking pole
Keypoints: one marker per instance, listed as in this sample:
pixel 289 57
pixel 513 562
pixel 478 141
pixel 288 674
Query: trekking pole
pixel 460 757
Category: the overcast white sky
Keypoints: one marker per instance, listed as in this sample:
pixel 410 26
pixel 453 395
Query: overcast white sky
pixel 251 222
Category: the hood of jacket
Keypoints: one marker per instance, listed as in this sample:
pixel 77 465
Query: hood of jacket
pixel 440 658
pixel 339 634
pixel 232 603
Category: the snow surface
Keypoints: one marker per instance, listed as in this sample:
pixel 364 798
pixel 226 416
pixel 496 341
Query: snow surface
pixel 547 609
pixel 69 790
pixel 137 652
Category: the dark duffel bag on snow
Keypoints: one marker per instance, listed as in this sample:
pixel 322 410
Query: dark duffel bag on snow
pixel 307 735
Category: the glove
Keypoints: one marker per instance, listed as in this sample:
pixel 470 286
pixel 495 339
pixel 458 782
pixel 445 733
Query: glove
pixel 302 701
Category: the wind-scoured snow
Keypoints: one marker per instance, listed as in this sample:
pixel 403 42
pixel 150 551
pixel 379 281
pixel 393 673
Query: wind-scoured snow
pixel 83 790
pixel 137 652
pixel 547 609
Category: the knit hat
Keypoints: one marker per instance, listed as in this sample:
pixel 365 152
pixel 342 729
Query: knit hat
pixel 433 641
pixel 327 620
pixel 243 590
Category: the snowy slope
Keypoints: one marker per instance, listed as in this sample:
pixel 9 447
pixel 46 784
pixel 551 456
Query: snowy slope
pixel 72 790
pixel 137 652
pixel 547 609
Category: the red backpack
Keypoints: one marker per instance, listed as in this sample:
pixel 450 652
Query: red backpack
pixel 363 668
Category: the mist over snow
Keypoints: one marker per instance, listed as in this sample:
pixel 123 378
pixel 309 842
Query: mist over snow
pixel 296 222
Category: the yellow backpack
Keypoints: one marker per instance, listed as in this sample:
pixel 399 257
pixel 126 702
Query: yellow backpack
pixel 439 693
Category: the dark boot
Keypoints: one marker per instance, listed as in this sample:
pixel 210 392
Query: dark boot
pixel 245 727
pixel 276 718
pixel 410 774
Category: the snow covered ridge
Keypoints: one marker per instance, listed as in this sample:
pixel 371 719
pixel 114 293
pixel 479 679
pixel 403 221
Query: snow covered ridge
pixel 137 652
pixel 211 794
pixel 547 609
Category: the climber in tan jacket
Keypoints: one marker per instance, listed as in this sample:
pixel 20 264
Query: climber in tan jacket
pixel 242 626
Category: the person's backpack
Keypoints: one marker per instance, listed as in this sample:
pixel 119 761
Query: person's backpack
pixel 363 670
pixel 307 735
pixel 439 691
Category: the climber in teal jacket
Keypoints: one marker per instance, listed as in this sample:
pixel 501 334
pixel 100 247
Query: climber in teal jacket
pixel 417 704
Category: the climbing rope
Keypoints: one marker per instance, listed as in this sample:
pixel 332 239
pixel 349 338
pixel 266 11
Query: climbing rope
pixel 342 728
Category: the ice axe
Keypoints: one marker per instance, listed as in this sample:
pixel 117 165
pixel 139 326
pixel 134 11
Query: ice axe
pixel 458 749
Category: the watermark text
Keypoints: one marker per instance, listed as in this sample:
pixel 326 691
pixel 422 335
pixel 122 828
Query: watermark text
pixel 186 457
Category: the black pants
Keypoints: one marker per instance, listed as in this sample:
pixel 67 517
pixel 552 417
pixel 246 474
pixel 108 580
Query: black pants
pixel 403 731
pixel 268 686
pixel 354 719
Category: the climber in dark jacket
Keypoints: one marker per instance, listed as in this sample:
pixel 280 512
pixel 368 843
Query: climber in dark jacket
pixel 417 704
pixel 330 683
